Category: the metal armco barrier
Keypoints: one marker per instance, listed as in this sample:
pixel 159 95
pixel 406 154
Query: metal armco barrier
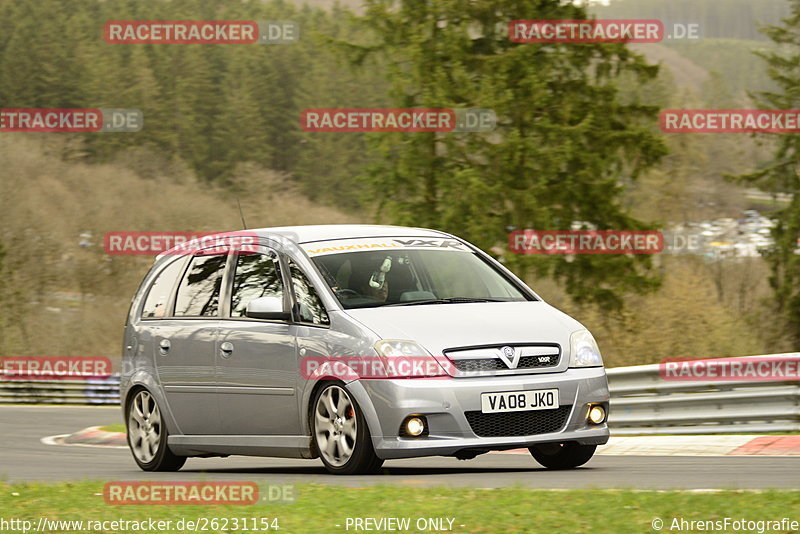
pixel 642 402
pixel 87 391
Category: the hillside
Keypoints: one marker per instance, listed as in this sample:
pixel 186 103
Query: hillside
pixel 54 213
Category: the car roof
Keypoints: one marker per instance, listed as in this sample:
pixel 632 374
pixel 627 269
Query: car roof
pixel 327 232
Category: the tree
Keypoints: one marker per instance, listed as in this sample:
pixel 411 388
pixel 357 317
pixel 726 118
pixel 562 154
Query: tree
pixel 782 174
pixel 41 71
pixel 564 146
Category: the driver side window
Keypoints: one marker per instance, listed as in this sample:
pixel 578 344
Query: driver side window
pixel 309 307
pixel 257 275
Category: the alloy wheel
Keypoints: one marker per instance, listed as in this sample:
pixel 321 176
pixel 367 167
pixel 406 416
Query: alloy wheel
pixel 336 427
pixel 144 426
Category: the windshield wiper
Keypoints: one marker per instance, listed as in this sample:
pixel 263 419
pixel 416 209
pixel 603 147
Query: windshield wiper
pixel 449 300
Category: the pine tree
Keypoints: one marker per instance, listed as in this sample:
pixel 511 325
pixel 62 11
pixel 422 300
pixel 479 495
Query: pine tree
pixel 563 147
pixel 41 71
pixel 783 173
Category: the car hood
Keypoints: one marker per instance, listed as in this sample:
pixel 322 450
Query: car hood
pixel 438 327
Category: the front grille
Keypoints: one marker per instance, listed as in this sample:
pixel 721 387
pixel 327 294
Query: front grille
pixel 495 364
pixel 484 364
pixel 532 362
pixel 496 425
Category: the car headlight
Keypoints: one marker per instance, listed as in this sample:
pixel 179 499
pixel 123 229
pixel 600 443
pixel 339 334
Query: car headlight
pixel 397 347
pixel 407 359
pixel 583 350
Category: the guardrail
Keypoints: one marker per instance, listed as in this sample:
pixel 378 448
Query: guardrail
pixel 642 402
pixel 86 391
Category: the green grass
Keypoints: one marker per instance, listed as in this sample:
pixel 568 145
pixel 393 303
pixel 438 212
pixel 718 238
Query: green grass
pixel 320 508
pixel 116 427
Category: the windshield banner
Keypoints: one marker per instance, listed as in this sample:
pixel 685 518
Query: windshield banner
pixel 337 246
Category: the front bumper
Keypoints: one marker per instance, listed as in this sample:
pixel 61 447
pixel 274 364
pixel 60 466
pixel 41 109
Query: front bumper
pixel 444 401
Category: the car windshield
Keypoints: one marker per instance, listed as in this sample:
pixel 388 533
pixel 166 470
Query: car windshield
pixel 412 277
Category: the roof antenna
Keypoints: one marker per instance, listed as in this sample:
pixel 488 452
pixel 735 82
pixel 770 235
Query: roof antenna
pixel 241 214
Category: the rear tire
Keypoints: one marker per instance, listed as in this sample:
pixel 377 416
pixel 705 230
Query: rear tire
pixel 340 433
pixel 147 435
pixel 562 455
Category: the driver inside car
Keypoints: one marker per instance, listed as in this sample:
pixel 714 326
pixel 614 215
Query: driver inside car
pixel 377 286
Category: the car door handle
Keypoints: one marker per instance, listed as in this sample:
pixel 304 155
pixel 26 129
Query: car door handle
pixel 226 349
pixel 164 346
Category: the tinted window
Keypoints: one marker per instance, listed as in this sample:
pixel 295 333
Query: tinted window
pixel 198 294
pixel 309 307
pixel 155 305
pixel 257 275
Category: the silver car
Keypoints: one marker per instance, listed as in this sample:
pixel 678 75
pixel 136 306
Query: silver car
pixel 355 344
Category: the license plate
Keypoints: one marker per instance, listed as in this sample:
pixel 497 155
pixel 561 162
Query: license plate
pixel 519 401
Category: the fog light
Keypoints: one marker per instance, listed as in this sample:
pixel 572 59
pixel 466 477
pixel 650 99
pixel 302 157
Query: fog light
pixel 415 426
pixel 597 414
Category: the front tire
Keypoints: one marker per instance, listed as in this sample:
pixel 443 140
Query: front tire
pixel 562 455
pixel 340 433
pixel 147 435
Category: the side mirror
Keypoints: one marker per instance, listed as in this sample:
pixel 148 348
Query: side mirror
pixel 267 308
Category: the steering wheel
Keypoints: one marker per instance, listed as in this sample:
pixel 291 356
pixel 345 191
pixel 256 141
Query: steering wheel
pixel 347 292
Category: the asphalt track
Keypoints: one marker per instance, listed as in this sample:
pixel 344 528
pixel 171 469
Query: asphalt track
pixel 24 458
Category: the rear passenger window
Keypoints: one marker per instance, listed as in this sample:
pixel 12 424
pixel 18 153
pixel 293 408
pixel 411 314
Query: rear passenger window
pixel 155 305
pixel 198 294
pixel 257 275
